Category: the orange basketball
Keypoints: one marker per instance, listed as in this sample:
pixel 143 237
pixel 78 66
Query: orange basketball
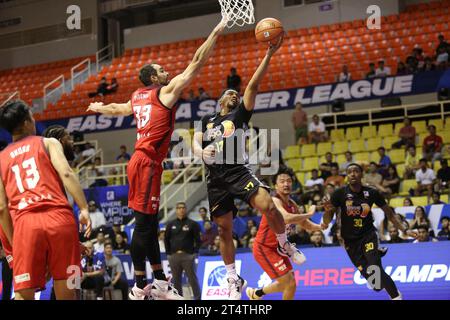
pixel 268 29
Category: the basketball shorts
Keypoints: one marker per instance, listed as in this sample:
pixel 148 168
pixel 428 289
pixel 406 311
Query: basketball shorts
pixel 46 241
pixel 6 247
pixel 225 183
pixel 274 264
pixel 360 250
pixel 144 176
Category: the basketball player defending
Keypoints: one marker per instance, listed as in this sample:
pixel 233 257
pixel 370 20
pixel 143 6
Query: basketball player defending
pixel 279 267
pixel 355 202
pixel 232 177
pixel 34 172
pixel 154 108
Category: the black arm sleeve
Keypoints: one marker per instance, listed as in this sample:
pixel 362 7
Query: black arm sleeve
pixel 378 199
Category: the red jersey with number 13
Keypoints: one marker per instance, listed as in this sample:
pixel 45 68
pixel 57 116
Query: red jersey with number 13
pixel 31 182
pixel 154 121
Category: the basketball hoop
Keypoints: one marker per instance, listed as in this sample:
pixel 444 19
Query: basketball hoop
pixel 237 12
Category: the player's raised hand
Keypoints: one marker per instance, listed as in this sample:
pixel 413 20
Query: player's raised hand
pixel 85 220
pixel 274 47
pixel 221 25
pixel 95 106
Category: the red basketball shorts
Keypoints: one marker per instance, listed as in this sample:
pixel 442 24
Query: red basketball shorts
pixel 144 177
pixel 46 241
pixel 274 264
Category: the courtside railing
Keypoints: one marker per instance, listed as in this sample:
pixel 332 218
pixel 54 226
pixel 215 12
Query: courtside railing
pixel 371 120
pixel 8 96
pixel 103 55
pixel 80 72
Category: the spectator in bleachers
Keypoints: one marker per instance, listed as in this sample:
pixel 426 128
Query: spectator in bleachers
pixel 442 59
pixel 401 69
pixel 316 130
pixel 445 227
pixel 101 89
pixel 372 178
pixel 335 233
pixel 421 220
pixel 372 71
pixel 234 80
pixel 394 235
pixel 209 234
pixel 432 145
pixel 112 87
pixel 344 76
pixel 382 70
pixel 428 65
pixel 202 94
pixel 251 242
pixel 423 235
pixel 411 163
pixel 203 213
pixel 407 135
pixel 98 220
pixel 124 156
pixel 329 190
pixel 425 178
pixel 384 162
pixel 335 179
pixel 93 267
pixel 325 168
pixel 77 155
pixel 386 224
pixel 191 96
pixel 215 248
pixel 96 171
pixel 298 235
pixel 248 232
pixel 113 181
pixel 407 202
pixel 442 43
pixel 114 270
pixel 443 176
pixel 313 186
pixel 317 239
pixel 411 65
pixel 297 191
pixel 343 166
pixel 120 245
pixel 99 246
pixel 88 151
pixel 300 122
pixel 419 57
pixel 391 183
pixel 436 198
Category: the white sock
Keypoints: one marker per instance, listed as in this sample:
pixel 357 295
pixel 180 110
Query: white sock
pixel 282 238
pixel 231 271
pixel 399 297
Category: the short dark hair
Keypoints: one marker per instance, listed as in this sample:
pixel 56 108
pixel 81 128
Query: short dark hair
pixel 109 243
pixel 445 218
pixel 283 170
pixel 146 73
pixel 382 148
pixel 422 227
pixel 334 167
pixel 180 203
pixel 203 208
pixel 432 126
pixel 423 160
pixel 372 162
pixel 356 165
pixel 13 114
pixel 54 131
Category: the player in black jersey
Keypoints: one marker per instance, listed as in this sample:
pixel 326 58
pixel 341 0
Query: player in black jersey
pixel 220 142
pixel 358 231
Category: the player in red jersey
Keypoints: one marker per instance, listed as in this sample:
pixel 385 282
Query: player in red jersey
pixel 154 108
pixel 34 172
pixel 265 251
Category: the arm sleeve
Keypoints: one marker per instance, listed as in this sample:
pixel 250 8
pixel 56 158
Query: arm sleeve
pixel 378 199
pixel 167 237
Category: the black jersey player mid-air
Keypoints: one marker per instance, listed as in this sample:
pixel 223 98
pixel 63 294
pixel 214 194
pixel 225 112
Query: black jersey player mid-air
pixel 358 231
pixel 220 142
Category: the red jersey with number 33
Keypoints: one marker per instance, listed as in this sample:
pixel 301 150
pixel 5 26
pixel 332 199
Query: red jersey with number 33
pixel 154 122
pixel 265 235
pixel 31 182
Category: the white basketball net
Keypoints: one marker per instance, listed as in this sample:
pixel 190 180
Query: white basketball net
pixel 237 12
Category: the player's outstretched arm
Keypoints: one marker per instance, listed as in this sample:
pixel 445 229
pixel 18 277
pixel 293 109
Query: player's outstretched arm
pixel 69 179
pixel 113 109
pixel 170 94
pixel 290 218
pixel 328 215
pixel 390 214
pixel 5 217
pixel 252 88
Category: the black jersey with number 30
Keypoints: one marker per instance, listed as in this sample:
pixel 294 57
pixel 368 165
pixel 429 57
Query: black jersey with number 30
pixel 356 213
